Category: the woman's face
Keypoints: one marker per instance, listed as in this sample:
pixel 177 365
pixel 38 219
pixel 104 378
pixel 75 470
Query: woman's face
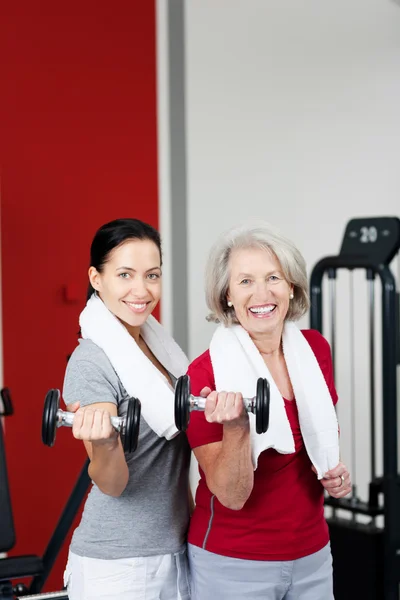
pixel 130 283
pixel 258 291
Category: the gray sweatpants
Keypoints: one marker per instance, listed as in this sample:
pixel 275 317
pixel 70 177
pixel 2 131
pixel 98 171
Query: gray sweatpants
pixel 215 577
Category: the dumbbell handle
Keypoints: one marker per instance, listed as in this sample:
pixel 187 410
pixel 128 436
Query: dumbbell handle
pixel 66 419
pixel 199 403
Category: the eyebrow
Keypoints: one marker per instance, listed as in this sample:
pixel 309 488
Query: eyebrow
pixel 275 272
pixel 133 270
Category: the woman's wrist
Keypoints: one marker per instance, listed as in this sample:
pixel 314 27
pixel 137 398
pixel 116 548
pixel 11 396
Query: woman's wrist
pixel 237 429
pixel 108 445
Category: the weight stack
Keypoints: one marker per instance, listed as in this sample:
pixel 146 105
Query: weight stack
pixel 358 555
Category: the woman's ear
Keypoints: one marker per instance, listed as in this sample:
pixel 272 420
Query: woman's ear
pixel 94 278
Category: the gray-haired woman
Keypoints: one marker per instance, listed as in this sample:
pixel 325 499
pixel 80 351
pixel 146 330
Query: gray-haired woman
pixel 258 529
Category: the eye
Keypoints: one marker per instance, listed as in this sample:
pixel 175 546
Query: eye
pixel 274 278
pixel 124 275
pixel 245 282
pixel 153 276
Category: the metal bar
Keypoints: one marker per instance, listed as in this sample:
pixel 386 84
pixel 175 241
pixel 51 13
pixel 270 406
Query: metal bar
pixel 46 596
pixel 332 311
pixel 359 507
pixel 371 296
pixel 339 262
pixel 7 529
pixel 391 483
pixel 353 398
pixel 371 289
pixel 61 531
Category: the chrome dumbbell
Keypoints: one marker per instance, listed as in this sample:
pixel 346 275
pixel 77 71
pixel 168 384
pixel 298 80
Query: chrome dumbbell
pixel 54 417
pixel 185 402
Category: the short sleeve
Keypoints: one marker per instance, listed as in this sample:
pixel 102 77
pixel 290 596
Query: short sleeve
pixel 322 350
pixel 200 432
pixel 87 383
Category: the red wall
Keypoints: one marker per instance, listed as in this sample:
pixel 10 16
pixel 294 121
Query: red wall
pixel 77 148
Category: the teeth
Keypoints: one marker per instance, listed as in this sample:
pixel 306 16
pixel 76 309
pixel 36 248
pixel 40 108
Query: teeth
pixel 262 309
pixel 137 306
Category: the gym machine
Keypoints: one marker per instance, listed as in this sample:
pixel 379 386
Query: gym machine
pixel 366 557
pixel 32 566
pixel 20 567
pixel 7 536
pixel 8 408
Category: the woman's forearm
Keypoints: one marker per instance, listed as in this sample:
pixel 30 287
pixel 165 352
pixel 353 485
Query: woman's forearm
pixel 231 477
pixel 108 468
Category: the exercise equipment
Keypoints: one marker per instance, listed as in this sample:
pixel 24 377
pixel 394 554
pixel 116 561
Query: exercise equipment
pixel 14 568
pixel 62 595
pixel 185 403
pixel 36 567
pixel 54 417
pixel 8 408
pixel 366 557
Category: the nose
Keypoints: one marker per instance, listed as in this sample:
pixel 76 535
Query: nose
pixel 138 288
pixel 262 289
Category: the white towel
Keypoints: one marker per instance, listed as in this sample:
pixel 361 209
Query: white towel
pixel 237 365
pixel 138 375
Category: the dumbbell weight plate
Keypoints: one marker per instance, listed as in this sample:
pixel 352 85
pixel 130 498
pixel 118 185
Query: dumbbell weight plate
pixel 49 419
pixel 262 405
pixel 182 393
pixel 132 425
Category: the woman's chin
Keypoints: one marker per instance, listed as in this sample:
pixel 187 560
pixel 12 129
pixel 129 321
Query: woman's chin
pixel 134 320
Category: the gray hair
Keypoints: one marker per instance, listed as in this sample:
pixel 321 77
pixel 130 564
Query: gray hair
pixel 260 235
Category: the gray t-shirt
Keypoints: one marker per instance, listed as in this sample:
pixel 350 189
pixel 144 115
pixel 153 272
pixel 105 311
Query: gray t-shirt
pixel 151 516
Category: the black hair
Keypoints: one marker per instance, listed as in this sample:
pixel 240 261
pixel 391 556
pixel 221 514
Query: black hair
pixel 113 234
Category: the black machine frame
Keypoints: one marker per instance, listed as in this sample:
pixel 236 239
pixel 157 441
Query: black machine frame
pixel 45 564
pixel 369 244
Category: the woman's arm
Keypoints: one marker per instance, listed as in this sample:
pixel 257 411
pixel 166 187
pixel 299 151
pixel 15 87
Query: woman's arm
pixel 108 468
pixel 227 464
pixel 191 501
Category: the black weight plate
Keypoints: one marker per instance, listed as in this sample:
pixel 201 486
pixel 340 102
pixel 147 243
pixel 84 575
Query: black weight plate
pixel 182 392
pixel 49 418
pixel 177 405
pixel 267 403
pixel 259 409
pixel 132 425
pixel 8 408
pixel 262 405
pixel 185 400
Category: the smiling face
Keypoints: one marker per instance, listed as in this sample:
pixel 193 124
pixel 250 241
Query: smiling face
pixel 258 291
pixel 130 281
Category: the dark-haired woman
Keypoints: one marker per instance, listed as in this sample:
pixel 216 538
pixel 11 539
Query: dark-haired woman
pixel 130 542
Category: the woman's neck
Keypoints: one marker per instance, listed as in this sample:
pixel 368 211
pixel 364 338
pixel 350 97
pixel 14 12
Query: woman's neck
pixel 268 345
pixel 133 331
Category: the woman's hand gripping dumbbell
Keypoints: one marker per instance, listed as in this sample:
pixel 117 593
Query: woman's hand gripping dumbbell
pixel 185 402
pixel 53 417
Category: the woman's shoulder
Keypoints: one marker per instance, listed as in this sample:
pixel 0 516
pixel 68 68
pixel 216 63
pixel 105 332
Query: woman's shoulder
pixel 88 355
pixel 86 350
pixel 90 369
pixel 201 372
pixel 202 362
pixel 318 343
